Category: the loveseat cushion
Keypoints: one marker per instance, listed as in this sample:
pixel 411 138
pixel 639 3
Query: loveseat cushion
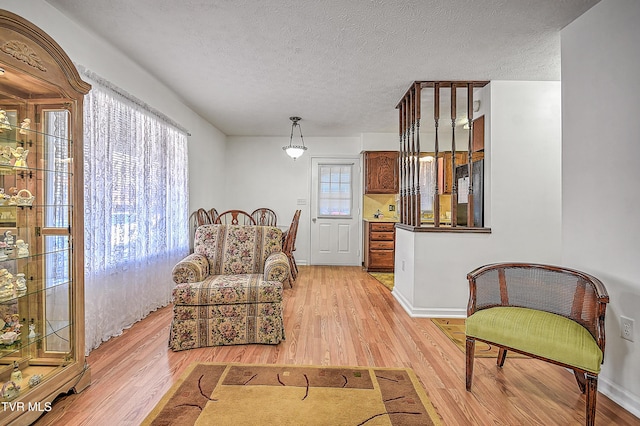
pixel 237 249
pixel 228 289
pixel 539 333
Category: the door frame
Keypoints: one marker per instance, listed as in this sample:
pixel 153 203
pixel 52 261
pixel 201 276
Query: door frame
pixel 357 195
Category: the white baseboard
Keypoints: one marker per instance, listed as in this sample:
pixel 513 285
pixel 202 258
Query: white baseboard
pixel 620 396
pixel 429 312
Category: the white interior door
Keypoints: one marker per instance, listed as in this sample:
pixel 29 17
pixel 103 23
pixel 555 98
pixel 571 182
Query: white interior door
pixel 335 211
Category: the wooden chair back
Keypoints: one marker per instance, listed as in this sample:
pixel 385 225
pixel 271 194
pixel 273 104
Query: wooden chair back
pixel 213 214
pixel 289 244
pixel 234 217
pixel 265 217
pixel 198 218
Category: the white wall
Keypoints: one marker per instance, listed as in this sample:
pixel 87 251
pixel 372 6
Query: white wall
pixel 264 176
pixel 380 142
pixel 206 143
pixel 523 199
pixel 601 230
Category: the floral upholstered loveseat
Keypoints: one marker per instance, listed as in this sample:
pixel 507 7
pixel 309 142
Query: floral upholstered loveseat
pixel 229 291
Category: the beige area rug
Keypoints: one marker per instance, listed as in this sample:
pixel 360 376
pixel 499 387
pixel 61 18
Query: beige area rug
pixel 454 329
pixel 240 394
pixel 386 278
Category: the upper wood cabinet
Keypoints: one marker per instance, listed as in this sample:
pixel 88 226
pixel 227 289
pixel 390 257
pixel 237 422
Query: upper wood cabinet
pixel 381 172
pixel 41 222
pixel 478 134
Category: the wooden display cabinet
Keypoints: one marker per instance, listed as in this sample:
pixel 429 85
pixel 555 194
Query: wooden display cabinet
pixel 381 172
pixel 41 224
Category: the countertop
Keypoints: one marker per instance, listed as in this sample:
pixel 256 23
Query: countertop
pixel 381 219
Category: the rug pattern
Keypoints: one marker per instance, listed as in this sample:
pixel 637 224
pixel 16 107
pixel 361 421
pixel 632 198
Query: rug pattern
pixel 454 329
pixel 224 394
pixel 385 278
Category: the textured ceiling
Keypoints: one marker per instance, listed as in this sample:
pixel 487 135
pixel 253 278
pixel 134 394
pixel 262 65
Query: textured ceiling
pixel 342 65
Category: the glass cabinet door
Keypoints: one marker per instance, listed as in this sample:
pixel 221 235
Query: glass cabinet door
pixel 36 327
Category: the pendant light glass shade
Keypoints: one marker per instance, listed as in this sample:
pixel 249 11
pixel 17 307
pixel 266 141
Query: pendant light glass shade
pixel 295 151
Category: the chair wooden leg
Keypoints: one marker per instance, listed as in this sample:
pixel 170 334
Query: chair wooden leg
pixel 292 267
pixel 470 352
pixel 592 392
pixel 582 384
pixel 502 356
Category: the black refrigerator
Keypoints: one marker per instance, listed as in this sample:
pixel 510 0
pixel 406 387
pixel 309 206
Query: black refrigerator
pixel 462 174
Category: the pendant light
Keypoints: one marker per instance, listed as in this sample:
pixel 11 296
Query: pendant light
pixel 295 151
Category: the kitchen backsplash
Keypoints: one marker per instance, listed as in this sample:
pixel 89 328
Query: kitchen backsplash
pixel 374 202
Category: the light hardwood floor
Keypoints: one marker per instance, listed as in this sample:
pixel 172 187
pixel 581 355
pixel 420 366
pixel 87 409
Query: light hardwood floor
pixel 336 316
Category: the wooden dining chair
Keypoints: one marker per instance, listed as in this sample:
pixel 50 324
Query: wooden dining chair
pixel 265 217
pixel 200 217
pixel 213 214
pixel 234 217
pixel 289 245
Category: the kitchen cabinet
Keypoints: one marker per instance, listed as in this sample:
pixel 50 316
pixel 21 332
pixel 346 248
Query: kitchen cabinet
pixel 478 134
pixel 379 246
pixel 381 172
pixel 445 174
pixel 41 224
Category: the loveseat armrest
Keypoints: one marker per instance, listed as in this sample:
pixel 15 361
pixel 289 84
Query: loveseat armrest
pixel 192 269
pixel 276 267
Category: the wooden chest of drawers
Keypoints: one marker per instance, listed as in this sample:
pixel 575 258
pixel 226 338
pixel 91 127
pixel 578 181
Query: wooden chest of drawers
pixel 379 246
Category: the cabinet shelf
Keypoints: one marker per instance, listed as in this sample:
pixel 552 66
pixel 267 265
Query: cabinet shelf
pixel 25 343
pixel 36 287
pixel 9 135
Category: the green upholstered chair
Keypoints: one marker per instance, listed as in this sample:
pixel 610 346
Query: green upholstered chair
pixel 547 312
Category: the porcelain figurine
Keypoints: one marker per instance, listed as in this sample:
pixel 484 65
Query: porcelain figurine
pixel 23 198
pixel 4 121
pixel 35 380
pixel 8 239
pixel 3 245
pixel 25 125
pixel 9 337
pixel 5 155
pixel 23 249
pixel 32 331
pixel 6 291
pixel 21 283
pixel 21 157
pixel 16 374
pixel 10 390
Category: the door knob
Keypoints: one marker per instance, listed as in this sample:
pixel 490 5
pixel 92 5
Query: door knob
pixel 313 220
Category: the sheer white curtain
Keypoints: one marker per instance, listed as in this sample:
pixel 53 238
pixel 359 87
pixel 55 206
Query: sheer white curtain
pixel 427 178
pixel 136 211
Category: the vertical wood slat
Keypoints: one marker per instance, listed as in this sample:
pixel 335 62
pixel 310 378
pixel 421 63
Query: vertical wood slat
pixel 454 182
pixel 409 159
pixel 409 153
pixel 504 293
pixel 412 167
pixel 470 200
pixel 417 89
pixel 400 171
pixel 436 118
pixel 405 144
pixel 403 168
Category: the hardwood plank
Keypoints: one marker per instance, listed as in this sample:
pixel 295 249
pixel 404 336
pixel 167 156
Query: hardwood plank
pixel 336 316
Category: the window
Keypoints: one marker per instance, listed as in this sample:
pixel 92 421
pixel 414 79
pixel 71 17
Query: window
pixel 136 209
pixel 334 195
